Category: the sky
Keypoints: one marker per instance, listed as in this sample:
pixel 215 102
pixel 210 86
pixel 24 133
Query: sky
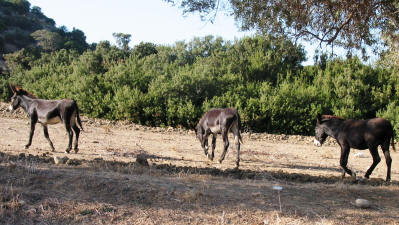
pixel 152 21
pixel 146 20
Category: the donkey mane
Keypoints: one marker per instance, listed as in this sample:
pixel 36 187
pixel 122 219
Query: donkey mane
pixel 330 117
pixel 25 92
pixel 200 121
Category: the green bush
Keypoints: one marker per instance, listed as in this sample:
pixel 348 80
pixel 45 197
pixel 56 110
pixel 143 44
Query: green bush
pixel 262 77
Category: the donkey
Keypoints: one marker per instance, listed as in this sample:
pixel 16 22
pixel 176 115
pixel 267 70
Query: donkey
pixel 217 121
pixel 358 134
pixel 48 112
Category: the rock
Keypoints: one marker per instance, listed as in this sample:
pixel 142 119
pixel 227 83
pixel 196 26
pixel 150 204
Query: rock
pixel 362 203
pixel 74 162
pixel 60 160
pixel 360 155
pixel 142 159
pixel 21 156
pixel 21 202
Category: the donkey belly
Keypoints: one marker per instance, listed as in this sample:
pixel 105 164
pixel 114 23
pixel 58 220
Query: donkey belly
pixel 50 121
pixel 359 144
pixel 215 129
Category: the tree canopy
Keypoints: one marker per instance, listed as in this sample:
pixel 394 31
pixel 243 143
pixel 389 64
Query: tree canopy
pixel 122 40
pixel 351 24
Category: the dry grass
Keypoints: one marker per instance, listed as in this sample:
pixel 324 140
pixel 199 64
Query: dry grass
pixel 103 183
pixel 100 192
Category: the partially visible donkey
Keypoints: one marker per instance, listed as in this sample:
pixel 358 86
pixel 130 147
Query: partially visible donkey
pixel 357 134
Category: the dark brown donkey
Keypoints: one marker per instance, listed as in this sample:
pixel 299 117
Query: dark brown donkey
pixel 48 112
pixel 358 134
pixel 217 121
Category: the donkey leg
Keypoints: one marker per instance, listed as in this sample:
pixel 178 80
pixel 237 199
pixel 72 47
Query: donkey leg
pixel 32 131
pixel 45 131
pixel 210 156
pixel 204 143
pixel 77 132
pixel 376 160
pixel 70 136
pixel 236 132
pixel 237 143
pixel 226 144
pixel 388 160
pixel 344 161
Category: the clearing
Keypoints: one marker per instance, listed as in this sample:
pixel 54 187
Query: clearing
pixel 103 184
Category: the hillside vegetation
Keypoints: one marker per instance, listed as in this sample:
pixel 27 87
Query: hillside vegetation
pixel 23 26
pixel 172 85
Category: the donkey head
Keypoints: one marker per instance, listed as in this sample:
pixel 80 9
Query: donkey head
pixel 18 92
pixel 199 132
pixel 15 100
pixel 320 133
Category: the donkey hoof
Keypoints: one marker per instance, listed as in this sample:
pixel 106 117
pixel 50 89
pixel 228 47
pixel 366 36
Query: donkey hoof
pixel 67 150
pixel 210 157
pixel 76 150
pixel 220 161
pixel 353 175
pixel 26 146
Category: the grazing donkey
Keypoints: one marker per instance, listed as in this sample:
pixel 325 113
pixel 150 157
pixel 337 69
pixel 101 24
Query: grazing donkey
pixel 47 112
pixel 358 134
pixel 217 121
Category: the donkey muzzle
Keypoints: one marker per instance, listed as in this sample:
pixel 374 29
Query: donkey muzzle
pixel 317 143
pixel 10 109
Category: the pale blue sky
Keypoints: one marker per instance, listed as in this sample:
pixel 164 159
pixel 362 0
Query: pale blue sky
pixel 152 21
pixel 146 20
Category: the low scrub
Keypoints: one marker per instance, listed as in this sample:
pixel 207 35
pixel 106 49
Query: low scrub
pixel 174 85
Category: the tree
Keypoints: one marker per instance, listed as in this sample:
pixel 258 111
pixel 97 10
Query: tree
pixel 122 40
pixel 351 24
pixel 390 57
pixel 144 49
pixel 22 6
pixel 47 40
pixel 75 39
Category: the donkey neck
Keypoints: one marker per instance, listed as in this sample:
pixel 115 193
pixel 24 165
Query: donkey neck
pixel 333 127
pixel 26 102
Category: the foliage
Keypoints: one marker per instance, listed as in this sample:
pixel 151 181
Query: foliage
pixel 122 40
pixel 174 85
pixel 145 49
pixel 350 24
pixel 24 27
pixel 47 40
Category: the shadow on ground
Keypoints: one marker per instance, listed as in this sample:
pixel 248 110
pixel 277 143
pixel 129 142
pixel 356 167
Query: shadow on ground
pixel 235 173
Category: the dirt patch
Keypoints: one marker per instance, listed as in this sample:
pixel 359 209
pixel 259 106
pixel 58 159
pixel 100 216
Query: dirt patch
pixel 104 183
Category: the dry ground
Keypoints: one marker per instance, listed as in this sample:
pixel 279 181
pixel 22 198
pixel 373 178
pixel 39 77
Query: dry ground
pixel 103 184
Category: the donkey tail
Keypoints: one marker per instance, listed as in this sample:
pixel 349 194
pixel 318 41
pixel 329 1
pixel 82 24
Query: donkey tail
pixel 239 128
pixel 393 141
pixel 78 116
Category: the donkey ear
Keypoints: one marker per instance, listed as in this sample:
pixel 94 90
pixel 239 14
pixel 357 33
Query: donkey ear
pixel 17 88
pixel 318 118
pixel 12 87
